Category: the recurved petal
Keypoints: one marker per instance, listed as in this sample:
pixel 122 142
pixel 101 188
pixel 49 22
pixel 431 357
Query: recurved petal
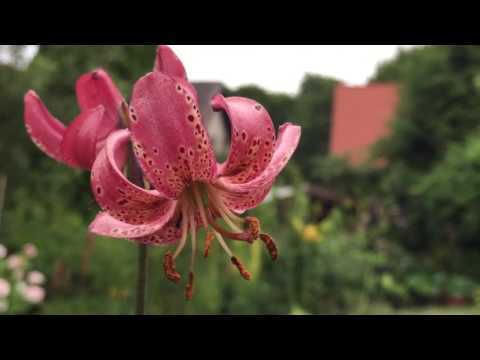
pixel 97 88
pixel 119 197
pixel 79 145
pixel 167 235
pixel 245 196
pixel 252 138
pixel 44 129
pixel 106 225
pixel 169 138
pixel 168 63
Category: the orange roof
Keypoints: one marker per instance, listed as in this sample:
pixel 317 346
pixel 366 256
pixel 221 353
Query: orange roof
pixel 360 118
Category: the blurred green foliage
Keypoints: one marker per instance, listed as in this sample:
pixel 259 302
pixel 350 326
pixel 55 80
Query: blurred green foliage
pixel 394 236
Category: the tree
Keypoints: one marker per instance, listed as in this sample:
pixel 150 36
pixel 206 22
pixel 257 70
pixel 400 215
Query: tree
pixel 313 111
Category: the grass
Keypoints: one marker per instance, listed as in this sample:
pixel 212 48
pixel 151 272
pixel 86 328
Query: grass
pixel 424 310
pixel 384 309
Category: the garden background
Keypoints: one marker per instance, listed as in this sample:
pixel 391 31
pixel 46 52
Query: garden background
pixel 401 238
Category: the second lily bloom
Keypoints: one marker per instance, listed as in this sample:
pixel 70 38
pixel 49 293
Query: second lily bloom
pixel 78 144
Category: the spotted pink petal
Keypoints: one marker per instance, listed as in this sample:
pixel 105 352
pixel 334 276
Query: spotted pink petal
pixel 119 197
pixel 106 225
pixel 167 235
pixel 97 88
pixel 79 145
pixel 169 64
pixel 169 138
pixel 245 196
pixel 44 129
pixel 253 138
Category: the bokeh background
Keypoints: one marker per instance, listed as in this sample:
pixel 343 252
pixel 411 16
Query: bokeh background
pixel 378 212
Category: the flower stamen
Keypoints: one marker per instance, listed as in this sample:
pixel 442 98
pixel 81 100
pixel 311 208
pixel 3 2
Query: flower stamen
pixel 169 260
pixel 241 236
pixel 218 203
pixel 253 227
pixel 189 288
pixel 169 268
pixel 208 243
pixel 245 274
pixel 271 245
pixel 185 224
pixel 223 244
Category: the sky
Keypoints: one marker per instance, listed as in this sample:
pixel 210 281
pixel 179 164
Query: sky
pixel 280 68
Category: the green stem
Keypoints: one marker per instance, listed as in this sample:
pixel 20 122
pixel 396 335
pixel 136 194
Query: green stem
pixel 134 173
pixel 3 190
pixel 142 279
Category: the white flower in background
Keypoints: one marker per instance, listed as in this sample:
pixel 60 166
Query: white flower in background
pixel 35 278
pixel 3 252
pixel 30 250
pixel 15 262
pixel 3 306
pixel 32 294
pixel 4 288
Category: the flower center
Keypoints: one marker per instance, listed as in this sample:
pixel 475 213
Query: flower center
pixel 201 206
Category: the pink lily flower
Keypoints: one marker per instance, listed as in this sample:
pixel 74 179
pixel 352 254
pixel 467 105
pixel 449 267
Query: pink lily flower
pixel 78 144
pixel 189 189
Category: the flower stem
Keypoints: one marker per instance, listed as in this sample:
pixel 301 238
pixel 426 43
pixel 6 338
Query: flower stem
pixel 3 190
pixel 134 173
pixel 142 279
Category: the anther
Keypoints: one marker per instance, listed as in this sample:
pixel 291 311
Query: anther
pixel 245 274
pixel 253 227
pixel 271 245
pixel 189 288
pixel 208 243
pixel 169 268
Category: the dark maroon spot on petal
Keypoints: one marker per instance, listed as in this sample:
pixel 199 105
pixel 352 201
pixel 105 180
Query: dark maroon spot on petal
pixel 191 118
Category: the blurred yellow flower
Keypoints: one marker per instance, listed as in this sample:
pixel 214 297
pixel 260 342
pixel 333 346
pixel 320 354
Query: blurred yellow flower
pixel 310 233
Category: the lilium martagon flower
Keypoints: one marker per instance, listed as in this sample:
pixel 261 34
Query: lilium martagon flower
pixel 187 189
pixel 77 145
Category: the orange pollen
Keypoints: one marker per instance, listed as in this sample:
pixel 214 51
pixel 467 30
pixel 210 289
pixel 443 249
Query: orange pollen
pixel 169 268
pixel 253 226
pixel 271 245
pixel 208 243
pixel 189 288
pixel 245 274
